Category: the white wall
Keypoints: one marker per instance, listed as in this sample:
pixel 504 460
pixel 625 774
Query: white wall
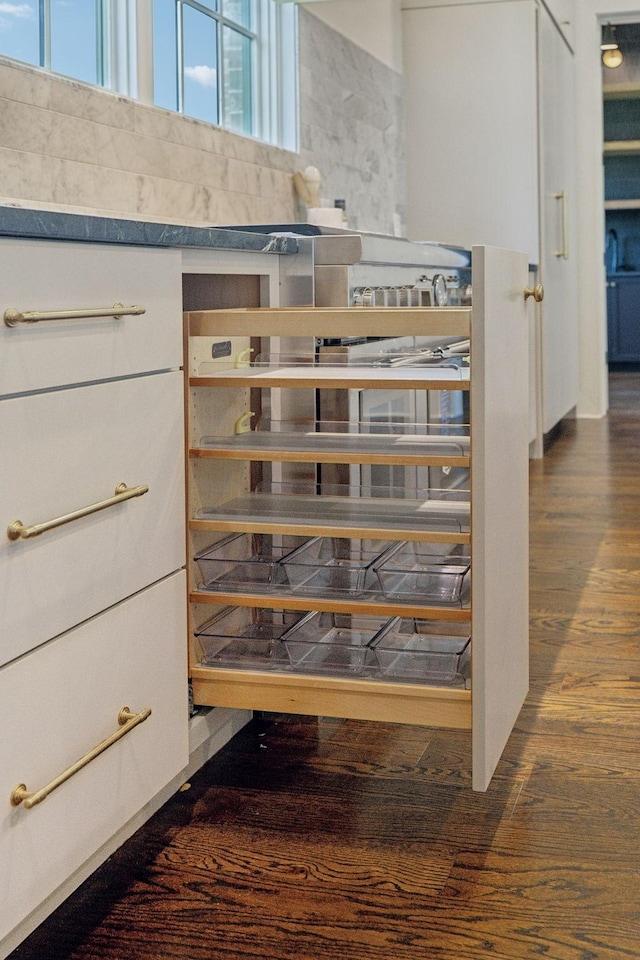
pixel 373 25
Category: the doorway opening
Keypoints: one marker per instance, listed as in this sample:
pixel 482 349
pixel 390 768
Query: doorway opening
pixel 621 114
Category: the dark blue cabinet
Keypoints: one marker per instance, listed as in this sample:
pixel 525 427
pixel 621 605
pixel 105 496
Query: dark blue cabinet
pixel 623 318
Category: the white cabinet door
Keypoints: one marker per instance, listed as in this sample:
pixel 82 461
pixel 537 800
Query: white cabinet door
pixel 44 276
pixel 69 449
pixel 58 703
pixel 558 232
pixel 499 503
pixel 470 77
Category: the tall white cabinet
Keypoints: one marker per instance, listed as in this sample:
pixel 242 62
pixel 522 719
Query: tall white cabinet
pixel 490 155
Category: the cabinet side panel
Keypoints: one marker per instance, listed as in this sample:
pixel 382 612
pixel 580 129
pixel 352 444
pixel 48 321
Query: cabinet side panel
pixel 500 490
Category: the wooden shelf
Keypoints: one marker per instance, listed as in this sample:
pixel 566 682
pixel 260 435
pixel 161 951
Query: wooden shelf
pixel 621 148
pixel 622 204
pixel 338 378
pixel 333 696
pixel 621 91
pixel 287 600
pixel 439 521
pixel 331 322
pixel 319 447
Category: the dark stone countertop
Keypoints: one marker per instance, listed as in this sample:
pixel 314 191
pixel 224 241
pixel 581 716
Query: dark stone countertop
pixel 55 225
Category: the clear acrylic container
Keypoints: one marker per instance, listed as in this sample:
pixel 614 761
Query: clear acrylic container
pixel 335 564
pixel 246 559
pixel 334 643
pixel 417 571
pixel 246 637
pixel 411 650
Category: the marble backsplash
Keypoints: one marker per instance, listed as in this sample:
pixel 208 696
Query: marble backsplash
pixel 68 146
pixel 351 126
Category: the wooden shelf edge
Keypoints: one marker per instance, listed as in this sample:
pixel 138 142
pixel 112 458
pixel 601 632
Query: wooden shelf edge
pixel 331 321
pixel 620 148
pixel 385 608
pixel 310 530
pixel 621 91
pixel 448 707
pixel 239 379
pixel 622 204
pixel 296 456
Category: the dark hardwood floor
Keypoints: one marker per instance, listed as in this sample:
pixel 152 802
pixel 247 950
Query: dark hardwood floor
pixel 340 840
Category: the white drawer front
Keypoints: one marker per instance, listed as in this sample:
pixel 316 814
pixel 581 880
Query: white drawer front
pixel 69 449
pixel 43 276
pixel 57 704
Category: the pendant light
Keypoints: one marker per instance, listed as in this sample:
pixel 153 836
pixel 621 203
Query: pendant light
pixel 611 53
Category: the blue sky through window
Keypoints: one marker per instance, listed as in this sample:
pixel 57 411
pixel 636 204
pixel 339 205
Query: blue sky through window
pixel 20 30
pixel 74 28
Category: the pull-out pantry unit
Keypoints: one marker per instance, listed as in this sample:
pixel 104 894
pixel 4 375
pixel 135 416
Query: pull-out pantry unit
pixel 307 598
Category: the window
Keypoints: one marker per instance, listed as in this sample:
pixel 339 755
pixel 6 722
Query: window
pixel 62 35
pixel 230 62
pixel 227 62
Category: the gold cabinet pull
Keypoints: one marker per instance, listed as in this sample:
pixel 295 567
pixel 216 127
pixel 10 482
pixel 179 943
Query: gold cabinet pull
pixel 127 721
pixel 18 531
pixel 13 317
pixel 564 252
pixel 536 292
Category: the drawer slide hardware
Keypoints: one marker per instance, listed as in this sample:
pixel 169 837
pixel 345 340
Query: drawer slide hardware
pixel 18 531
pixel 127 721
pixel 13 317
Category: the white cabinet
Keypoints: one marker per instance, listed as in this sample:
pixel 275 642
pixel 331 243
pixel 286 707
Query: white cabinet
pixel 491 520
pixel 42 277
pixel 71 449
pixel 56 705
pixel 558 237
pixel 490 154
pixel 563 12
pixel 470 118
pixel 93 612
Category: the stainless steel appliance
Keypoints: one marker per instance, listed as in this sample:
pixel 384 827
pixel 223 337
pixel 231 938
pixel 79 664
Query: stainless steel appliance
pixel 359 269
pixel 367 270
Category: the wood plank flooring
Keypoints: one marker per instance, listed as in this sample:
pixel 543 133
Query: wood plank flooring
pixel 338 840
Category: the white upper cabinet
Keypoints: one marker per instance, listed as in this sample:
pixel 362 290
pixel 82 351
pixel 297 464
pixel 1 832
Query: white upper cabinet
pixel 471 125
pixel 563 12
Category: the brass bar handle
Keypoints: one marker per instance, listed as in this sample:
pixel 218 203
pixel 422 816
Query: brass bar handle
pixel 536 292
pixel 564 252
pixel 18 531
pixel 126 719
pixel 13 317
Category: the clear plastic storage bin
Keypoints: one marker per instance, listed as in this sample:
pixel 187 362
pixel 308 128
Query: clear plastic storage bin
pixel 411 650
pixel 334 643
pixel 246 559
pixel 246 637
pixel 335 564
pixel 416 571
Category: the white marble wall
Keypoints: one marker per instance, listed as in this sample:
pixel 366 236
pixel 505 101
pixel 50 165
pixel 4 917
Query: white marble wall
pixel 69 146
pixel 351 126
